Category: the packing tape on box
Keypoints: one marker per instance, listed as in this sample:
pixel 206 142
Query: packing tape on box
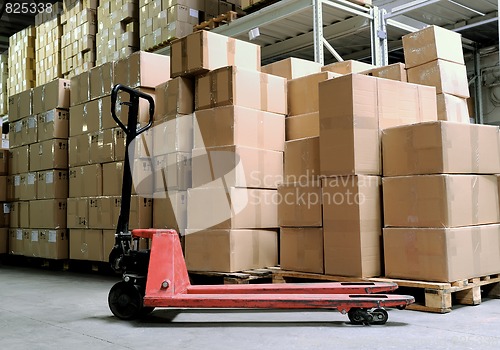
pixel 475 200
pixel 475 154
pixel 264 89
pixel 476 251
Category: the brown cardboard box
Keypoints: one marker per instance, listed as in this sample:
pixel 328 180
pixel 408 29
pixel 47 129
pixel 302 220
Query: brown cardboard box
pixel 238 166
pixel 292 68
pixel 302 126
pixel 16 180
pixel 233 125
pixel 50 154
pixel 174 135
pixel 209 51
pixel 396 71
pixel 352 225
pixel 143 69
pixel 447 77
pixel 53 124
pixel 13 209
pixel 102 147
pixel 31 243
pixel 51 96
pixel 19 159
pixel 230 250
pixel 119 139
pixel 430 44
pixel 440 200
pixel 48 213
pixel 16 133
pixel 54 244
pixel 173 170
pixel 79 150
pixel 441 147
pixel 4 240
pixel 302 159
pixel 16 244
pixel 306 86
pixel 25 103
pixel 301 249
pixel 183 13
pixel 240 87
pixel 29 130
pixel 52 184
pixel 5 214
pixel 4 161
pixel 13 108
pixel 104 212
pixel 24 214
pixel 86 245
pixel 19 214
pixel 452 108
pixel 80 89
pixel 232 208
pixel 441 254
pixel 84 118
pixel 27 186
pixel 142 178
pixel 101 80
pixel 3 188
pixel 86 181
pixel 347 67
pixel 108 242
pixel 122 110
pixel 112 179
pixel 349 135
pixel 300 204
pixel 173 97
pixel 78 213
pixel 10 188
pixel 171 212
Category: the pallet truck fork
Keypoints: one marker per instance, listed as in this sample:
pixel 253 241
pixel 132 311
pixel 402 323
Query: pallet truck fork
pixel 157 277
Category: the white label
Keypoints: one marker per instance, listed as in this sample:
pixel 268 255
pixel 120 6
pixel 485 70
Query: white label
pixel 34 236
pixel 49 117
pixel 49 177
pixel 19 234
pixel 17 180
pixel 52 236
pixel 18 126
pixel 171 26
pixel 193 13
pixel 31 178
pixel 6 208
pixel 5 144
pixel 31 123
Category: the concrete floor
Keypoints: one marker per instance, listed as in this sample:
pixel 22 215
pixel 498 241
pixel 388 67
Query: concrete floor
pixel 61 310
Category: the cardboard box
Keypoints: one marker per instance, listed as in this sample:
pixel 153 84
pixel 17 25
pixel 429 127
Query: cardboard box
pixel 430 44
pixel 292 68
pixel 54 244
pixel 174 135
pixel 352 225
pixel 175 96
pixel 25 186
pixel 48 213
pixel 447 77
pixel 19 159
pixel 232 208
pixel 396 71
pixel 4 240
pixel 347 67
pixel 142 69
pixel 302 159
pixel 80 89
pixel 50 154
pixel 104 212
pixel 3 188
pixel 300 204
pixel 29 130
pixel 440 200
pixel 441 254
pixel 16 133
pixel 16 245
pixel 78 213
pixel 301 249
pixel 31 243
pixel 142 178
pixel 101 80
pixel 86 181
pixel 306 86
pixel 4 161
pixel 108 242
pixel 122 110
pixel 102 106
pixel 182 13
pixel 10 188
pixel 173 172
pixel 79 150
pixel 441 147
pixel 240 126
pixel 349 134
pixel 25 103
pixel 171 212
pixel 302 126
pixel 241 87
pixel 102 146
pixel 5 214
pixel 84 118
pixel 238 166
pixel 51 96
pixel 86 245
pixel 53 124
pixel 19 214
pixel 209 51
pixel 230 250
pixel 452 108
pixel 52 184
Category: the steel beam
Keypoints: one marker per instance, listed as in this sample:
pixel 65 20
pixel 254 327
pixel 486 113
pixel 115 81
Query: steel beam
pixel 319 55
pixel 402 7
pixel 338 4
pixel 332 51
pixel 478 93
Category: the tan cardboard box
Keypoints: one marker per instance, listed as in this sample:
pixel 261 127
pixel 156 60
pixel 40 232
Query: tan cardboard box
pixel 112 179
pixel 122 110
pixel 3 188
pixel 13 109
pixel 108 242
pixel 452 108
pixel 306 86
pixel 142 69
pixel 78 213
pixel 142 178
pixel 48 213
pixel 241 87
pixel 52 184
pixel 27 186
pixel 86 181
pixel 174 135
pixel 4 240
pixel 84 118
pixel 19 159
pixel 292 68
pixel 235 166
pixel 171 212
pixel 54 244
pixel 86 245
pixel 430 44
pixel 101 80
pixel 182 13
pixel 209 51
pixel 352 225
pixel 230 250
pixel 10 188
pixel 441 147
pixel 447 77
pixel 301 249
pixel 16 244
pixel 16 133
pixel 53 124
pixel 51 96
pixel 102 147
pixel 14 214
pixel 103 105
pixel 234 125
pixel 232 208
pixel 104 212
pixel 29 130
pixel 302 159
pixel 24 216
pixel 173 172
pixel 4 161
pixel 440 200
pixel 300 204
pixel 5 214
pixel 19 214
pixel 79 150
pixel 396 71
pixel 16 184
pixel 349 135
pixel 302 126
pixel 80 89
pixel 347 67
pixel 173 97
pixel 441 254
pixel 50 154
pixel 31 243
pixel 25 103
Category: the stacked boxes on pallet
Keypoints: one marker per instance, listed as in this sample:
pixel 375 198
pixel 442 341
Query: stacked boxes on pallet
pixel 5 197
pixel 21 61
pixel 4 77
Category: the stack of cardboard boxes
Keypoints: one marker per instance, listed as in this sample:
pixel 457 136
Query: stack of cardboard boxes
pixel 4 77
pixel 21 61
pixel 79 27
pixel 118 32
pixel 434 57
pixel 48 45
pixel 4 199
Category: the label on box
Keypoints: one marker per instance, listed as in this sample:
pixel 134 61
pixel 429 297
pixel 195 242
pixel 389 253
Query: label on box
pixel 19 234
pixel 52 236
pixel 49 116
pixel 5 144
pixel 18 126
pixel 6 208
pixel 17 180
pixel 31 123
pixel 193 13
pixel 49 177
pixel 31 178
pixel 34 236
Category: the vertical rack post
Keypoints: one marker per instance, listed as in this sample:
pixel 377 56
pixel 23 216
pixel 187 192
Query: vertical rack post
pixel 378 31
pixel 318 31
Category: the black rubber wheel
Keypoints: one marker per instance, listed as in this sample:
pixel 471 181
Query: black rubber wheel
pixel 356 316
pixel 380 316
pixel 146 310
pixel 125 301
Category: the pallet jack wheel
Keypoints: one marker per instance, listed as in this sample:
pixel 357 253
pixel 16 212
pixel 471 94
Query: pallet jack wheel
pixel 380 316
pixel 126 301
pixel 359 316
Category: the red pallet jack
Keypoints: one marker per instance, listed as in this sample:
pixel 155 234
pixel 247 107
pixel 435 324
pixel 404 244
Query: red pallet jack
pixel 157 277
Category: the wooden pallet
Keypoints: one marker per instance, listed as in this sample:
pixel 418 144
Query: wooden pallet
pixel 243 277
pixel 212 23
